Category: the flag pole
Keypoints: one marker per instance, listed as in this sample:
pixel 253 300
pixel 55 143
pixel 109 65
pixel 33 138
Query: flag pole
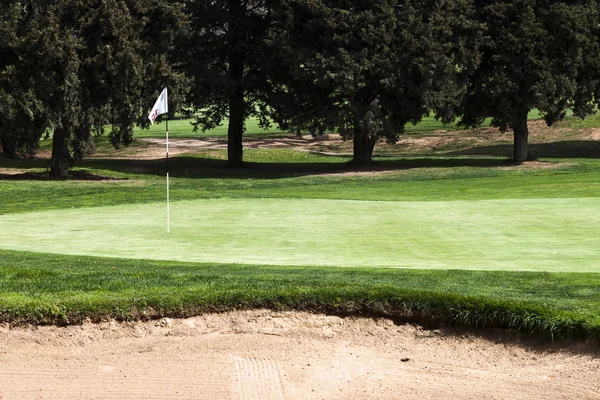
pixel 162 107
pixel 168 211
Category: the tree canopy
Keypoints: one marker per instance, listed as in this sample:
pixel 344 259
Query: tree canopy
pixel 227 56
pixel 76 66
pixel 367 68
pixel 23 118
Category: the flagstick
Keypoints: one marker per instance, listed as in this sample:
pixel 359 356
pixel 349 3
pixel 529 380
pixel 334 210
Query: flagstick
pixel 168 211
pixel 162 107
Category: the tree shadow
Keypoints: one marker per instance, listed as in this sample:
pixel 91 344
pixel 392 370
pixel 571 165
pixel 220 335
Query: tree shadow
pixel 75 175
pixel 561 149
pixel 199 167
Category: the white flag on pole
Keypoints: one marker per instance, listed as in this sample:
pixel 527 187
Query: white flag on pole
pixel 160 107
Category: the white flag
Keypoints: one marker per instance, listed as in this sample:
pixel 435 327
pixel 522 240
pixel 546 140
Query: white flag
pixel 160 107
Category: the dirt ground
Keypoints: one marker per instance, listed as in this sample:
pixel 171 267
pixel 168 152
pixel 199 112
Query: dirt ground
pixel 155 148
pixel 288 355
pixel 332 144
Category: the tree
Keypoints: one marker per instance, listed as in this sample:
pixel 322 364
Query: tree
pixel 104 77
pixel 22 119
pixel 226 56
pixel 368 67
pixel 536 54
pixel 80 65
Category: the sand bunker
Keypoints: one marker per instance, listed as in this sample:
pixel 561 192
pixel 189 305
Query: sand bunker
pixel 287 355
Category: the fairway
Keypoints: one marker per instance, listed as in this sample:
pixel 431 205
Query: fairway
pixel 558 235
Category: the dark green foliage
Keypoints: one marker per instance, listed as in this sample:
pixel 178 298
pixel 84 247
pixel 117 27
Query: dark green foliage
pixel 226 55
pixel 101 70
pixel 163 22
pixel 367 68
pixel 535 54
pixel 22 114
pixel 81 65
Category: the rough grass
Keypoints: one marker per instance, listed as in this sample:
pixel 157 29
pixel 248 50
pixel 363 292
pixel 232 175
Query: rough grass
pixel 182 128
pixel 316 177
pixel 46 288
pixel 592 121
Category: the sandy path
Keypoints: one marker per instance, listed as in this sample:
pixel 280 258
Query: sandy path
pixel 271 355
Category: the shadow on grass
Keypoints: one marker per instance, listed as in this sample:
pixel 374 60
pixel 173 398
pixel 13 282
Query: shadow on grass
pixel 202 167
pixel 563 149
pixel 198 167
pixel 44 176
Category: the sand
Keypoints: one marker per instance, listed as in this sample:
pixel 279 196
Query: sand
pixel 264 354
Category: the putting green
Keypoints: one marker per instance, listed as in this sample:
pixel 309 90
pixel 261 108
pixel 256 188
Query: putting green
pixel 524 234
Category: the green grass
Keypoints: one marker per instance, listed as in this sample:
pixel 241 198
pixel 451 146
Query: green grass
pixel 318 232
pixel 573 122
pixel 182 128
pixel 297 175
pixel 492 228
pixel 46 288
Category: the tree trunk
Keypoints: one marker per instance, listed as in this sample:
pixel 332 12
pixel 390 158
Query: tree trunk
pixel 91 145
pixel 363 146
pixel 363 150
pixel 236 97
pixel 8 148
pixel 61 158
pixel 235 129
pixel 521 134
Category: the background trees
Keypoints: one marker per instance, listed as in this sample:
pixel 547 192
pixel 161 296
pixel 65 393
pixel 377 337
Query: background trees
pixel 23 117
pixel 342 54
pixel 363 68
pixel 226 55
pixel 77 66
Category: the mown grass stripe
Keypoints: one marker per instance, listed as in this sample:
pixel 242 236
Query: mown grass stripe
pixel 519 234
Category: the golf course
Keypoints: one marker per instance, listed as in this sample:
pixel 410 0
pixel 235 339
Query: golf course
pixel 315 232
pixel 298 199
pixel 455 234
pixel 441 263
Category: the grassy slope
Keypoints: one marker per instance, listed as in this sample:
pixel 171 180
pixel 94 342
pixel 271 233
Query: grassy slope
pixel 202 182
pixel 182 128
pixel 67 289
pixel 576 123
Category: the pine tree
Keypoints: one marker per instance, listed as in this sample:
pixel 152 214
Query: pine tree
pixel 22 114
pixel 369 67
pixel 82 65
pixel 226 55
